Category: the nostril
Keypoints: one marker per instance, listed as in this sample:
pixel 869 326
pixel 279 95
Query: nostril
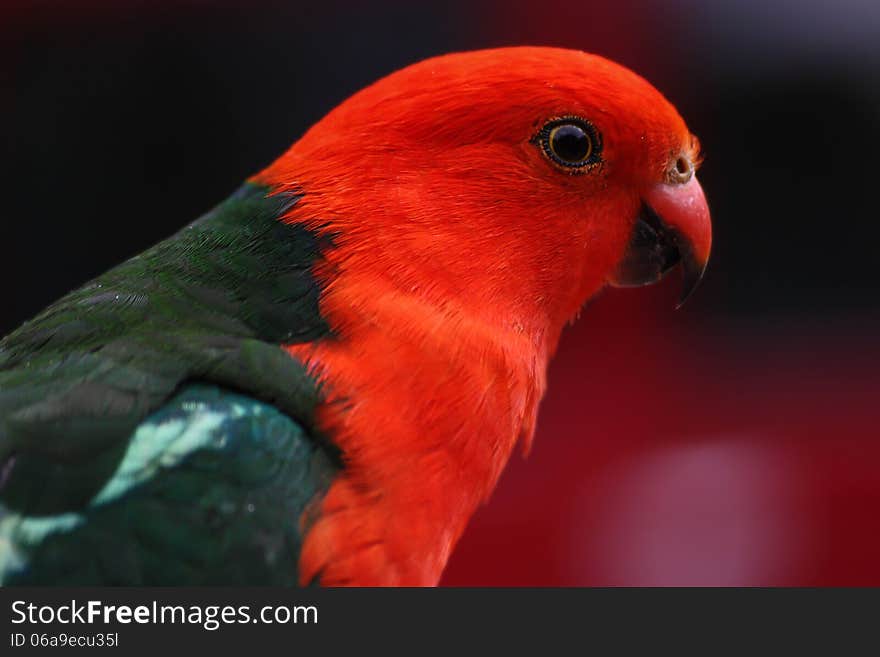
pixel 683 170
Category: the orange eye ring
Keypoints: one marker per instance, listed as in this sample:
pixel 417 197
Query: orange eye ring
pixel 570 142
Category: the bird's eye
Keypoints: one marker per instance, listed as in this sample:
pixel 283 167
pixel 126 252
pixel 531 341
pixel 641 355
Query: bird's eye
pixel 571 142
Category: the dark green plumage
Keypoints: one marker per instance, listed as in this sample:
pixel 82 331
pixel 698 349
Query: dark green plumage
pixel 210 305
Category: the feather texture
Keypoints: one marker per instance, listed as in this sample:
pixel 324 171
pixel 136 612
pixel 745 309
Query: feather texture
pixel 207 492
pixel 211 304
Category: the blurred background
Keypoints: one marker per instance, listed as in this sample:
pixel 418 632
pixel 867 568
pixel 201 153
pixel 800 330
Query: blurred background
pixel 733 442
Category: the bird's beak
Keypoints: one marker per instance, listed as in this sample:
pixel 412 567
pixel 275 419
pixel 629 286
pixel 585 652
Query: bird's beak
pixel 673 225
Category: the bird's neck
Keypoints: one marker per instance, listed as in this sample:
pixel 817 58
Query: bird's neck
pixel 426 402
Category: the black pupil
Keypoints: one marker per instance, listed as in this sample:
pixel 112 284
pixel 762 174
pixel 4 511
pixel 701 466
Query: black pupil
pixel 570 143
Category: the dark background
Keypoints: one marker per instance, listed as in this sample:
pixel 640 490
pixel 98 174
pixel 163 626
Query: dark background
pixel 735 441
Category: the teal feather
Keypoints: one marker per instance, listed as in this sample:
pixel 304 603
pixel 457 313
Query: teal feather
pixel 209 491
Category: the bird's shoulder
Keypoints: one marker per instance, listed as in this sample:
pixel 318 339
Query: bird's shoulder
pixel 212 304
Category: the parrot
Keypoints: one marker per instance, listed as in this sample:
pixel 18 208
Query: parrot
pixel 320 380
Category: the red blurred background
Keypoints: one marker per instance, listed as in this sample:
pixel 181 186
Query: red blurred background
pixel 673 452
pixel 733 442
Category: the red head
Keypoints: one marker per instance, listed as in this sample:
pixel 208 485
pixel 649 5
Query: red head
pixel 448 170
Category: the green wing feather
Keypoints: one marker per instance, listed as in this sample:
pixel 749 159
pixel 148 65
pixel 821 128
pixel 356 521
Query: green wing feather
pixel 91 383
pixel 209 491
